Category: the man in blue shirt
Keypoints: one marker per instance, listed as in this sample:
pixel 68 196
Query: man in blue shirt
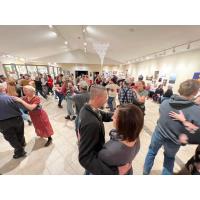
pixel 11 123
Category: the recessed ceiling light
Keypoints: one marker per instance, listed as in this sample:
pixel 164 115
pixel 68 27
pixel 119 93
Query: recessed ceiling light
pixel 85 43
pixel 66 42
pixel 50 26
pixel 52 34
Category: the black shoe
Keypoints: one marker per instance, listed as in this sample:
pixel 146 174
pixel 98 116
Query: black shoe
pixel 48 142
pixel 24 144
pixel 29 122
pixel 60 106
pixel 73 118
pixel 16 156
pixel 68 117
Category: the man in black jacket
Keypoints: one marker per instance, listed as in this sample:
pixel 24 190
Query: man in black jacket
pixel 92 134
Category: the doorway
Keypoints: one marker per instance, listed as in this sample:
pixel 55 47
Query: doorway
pixel 80 73
pixel 95 74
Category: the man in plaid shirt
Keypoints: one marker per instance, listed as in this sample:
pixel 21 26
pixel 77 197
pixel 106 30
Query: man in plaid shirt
pixel 126 94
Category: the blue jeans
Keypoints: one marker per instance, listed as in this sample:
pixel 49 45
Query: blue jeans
pixel 170 150
pixel 70 110
pixel 110 103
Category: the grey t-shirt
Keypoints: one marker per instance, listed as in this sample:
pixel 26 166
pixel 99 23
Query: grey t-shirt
pixel 115 153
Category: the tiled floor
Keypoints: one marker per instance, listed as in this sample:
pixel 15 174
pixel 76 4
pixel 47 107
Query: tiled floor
pixel 61 157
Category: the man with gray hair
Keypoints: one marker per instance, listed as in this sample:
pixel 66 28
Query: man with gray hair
pixel 11 123
pixel 92 133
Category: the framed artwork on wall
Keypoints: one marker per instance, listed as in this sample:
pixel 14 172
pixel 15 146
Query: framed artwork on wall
pixel 196 76
pixel 172 79
pixel 156 74
pixel 164 82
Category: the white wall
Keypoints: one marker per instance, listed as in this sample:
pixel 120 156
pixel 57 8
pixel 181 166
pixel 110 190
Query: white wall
pixel 183 65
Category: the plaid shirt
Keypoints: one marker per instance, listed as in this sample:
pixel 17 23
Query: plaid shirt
pixel 125 91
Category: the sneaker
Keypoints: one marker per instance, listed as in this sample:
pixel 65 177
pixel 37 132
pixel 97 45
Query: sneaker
pixel 68 117
pixel 16 156
pixel 60 106
pixel 73 118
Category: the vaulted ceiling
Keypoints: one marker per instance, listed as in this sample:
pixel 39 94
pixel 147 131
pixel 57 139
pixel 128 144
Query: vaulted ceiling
pixel 40 43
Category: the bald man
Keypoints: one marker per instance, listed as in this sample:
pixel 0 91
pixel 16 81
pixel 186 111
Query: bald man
pixel 11 123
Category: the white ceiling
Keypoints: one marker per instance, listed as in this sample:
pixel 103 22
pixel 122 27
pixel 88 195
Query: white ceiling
pixel 126 42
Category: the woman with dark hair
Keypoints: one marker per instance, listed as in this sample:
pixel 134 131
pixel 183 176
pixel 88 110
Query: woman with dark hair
pixel 124 141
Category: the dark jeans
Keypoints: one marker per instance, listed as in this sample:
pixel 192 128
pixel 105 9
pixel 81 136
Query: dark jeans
pixel 110 103
pixel 13 132
pixel 50 90
pixel 60 97
pixel 170 150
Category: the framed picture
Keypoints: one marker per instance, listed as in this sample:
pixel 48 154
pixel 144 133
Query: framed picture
pixel 164 82
pixel 172 78
pixel 156 74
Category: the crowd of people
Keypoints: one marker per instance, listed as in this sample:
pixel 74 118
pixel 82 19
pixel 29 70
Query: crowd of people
pixel 90 103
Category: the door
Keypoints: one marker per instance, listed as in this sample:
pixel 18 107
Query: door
pixel 80 73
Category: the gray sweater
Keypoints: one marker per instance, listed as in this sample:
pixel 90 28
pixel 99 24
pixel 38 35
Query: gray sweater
pixel 171 129
pixel 115 153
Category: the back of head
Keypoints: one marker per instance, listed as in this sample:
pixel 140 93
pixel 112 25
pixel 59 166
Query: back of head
pixel 130 121
pixel 189 87
pixel 97 91
pixel 83 85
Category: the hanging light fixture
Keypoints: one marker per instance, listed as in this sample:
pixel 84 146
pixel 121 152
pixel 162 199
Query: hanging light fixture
pixel 188 46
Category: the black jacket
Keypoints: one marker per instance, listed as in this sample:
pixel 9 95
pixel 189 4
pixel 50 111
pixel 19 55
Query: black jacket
pixel 92 139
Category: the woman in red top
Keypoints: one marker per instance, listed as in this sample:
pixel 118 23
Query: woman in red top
pixel 50 85
pixel 38 116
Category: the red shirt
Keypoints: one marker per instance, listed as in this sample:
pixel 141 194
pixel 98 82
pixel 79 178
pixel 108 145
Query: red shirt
pixel 50 82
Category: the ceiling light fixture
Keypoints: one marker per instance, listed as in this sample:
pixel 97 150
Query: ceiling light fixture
pixel 50 26
pixel 66 42
pixel 85 49
pixel 85 43
pixel 53 34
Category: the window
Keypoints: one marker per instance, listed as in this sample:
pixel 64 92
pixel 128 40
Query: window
pixel 51 71
pixel 11 71
pixel 42 69
pixel 21 69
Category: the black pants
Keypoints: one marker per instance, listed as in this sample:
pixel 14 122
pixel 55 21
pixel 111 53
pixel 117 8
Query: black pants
pixel 50 90
pixel 13 132
pixel 60 97
pixel 41 93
